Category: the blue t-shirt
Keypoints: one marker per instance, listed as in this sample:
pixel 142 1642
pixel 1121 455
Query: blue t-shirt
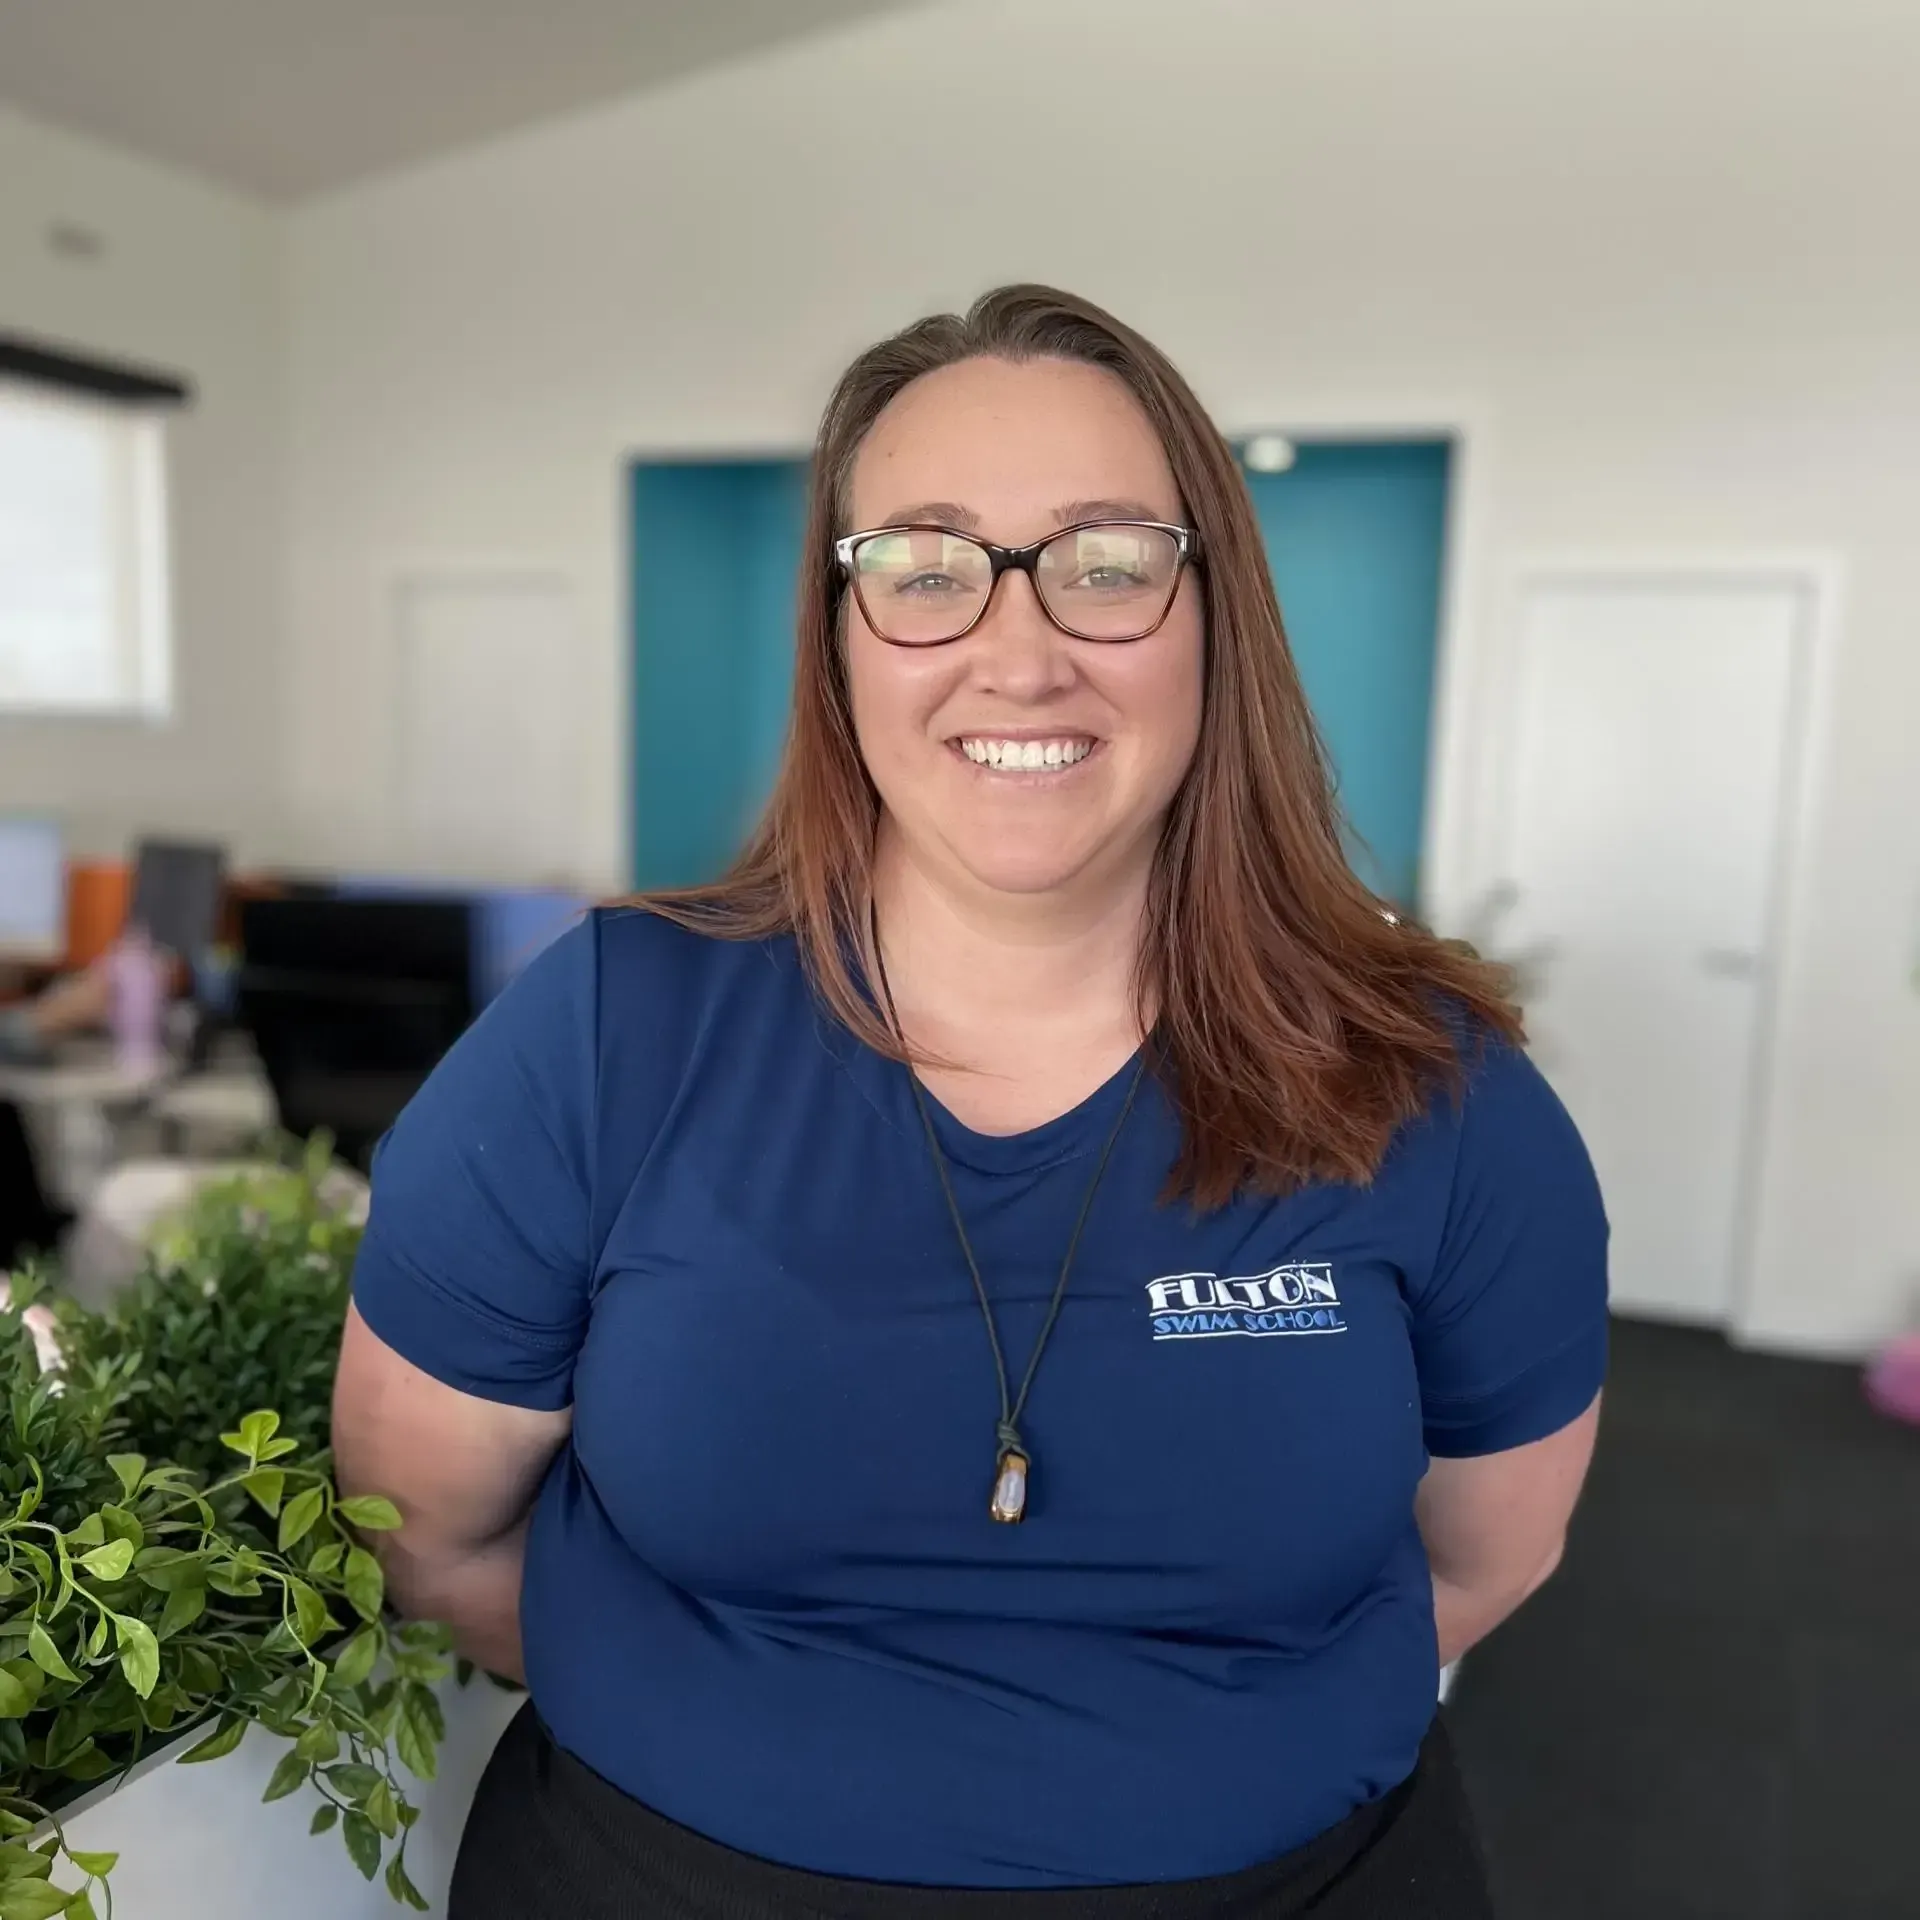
pixel 656 1182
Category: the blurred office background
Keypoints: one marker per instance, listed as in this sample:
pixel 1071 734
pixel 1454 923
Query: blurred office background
pixel 380 385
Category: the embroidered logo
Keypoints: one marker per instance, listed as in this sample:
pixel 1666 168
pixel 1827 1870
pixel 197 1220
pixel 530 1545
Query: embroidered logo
pixel 1295 1299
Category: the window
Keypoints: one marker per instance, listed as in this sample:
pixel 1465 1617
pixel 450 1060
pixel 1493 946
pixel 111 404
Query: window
pixel 84 625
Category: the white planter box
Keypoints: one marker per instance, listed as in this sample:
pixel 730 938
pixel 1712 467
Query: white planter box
pixel 196 1844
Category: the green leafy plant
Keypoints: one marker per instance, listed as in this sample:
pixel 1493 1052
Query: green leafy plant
pixel 167 1569
pixel 240 1304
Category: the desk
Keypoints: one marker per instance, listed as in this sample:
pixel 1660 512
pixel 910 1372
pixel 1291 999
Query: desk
pixel 76 1107
pixel 233 1100
pixel 83 1079
pixel 70 1107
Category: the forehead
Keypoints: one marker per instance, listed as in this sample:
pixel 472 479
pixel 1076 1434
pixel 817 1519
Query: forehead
pixel 1014 442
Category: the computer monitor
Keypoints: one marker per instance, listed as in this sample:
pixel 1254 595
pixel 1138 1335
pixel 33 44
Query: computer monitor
pixel 510 924
pixel 33 890
pixel 176 894
pixel 351 1003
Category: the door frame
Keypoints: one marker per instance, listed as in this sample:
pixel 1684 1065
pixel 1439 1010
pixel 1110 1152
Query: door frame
pixel 1818 578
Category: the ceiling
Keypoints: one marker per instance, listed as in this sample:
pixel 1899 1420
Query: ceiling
pixel 285 98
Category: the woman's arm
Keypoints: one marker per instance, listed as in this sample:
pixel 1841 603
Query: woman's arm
pixel 68 1006
pixel 1495 1527
pixel 463 1472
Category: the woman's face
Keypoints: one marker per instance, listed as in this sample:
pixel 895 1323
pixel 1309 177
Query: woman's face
pixel 1012 452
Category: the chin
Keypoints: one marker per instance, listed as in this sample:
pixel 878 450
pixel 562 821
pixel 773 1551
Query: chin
pixel 1026 870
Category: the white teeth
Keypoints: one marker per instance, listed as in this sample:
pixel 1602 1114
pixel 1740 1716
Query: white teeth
pixel 1025 756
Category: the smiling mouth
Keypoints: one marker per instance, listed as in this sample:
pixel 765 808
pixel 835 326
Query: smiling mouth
pixel 1055 754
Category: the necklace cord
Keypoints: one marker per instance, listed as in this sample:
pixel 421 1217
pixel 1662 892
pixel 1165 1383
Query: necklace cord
pixel 1007 1429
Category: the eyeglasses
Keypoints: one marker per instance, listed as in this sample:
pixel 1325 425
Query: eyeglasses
pixel 1107 580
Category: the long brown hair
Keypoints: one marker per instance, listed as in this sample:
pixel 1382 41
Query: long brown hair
pixel 1299 1024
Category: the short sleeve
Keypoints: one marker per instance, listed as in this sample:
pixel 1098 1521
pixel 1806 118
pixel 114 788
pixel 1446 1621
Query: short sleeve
pixel 1510 1329
pixel 476 1261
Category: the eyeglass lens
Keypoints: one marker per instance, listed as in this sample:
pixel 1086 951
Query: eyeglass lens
pixel 923 586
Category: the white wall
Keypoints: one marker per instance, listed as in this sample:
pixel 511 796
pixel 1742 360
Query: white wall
pixel 1653 252
pixel 188 280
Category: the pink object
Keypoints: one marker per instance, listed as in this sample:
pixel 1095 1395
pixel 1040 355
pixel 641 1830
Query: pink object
pixel 38 1321
pixel 137 974
pixel 1893 1381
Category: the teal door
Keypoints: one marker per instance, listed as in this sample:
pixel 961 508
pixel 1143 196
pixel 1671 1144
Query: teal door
pixel 716 549
pixel 1356 535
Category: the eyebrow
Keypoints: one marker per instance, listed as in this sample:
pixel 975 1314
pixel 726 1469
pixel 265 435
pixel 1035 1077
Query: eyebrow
pixel 1104 510
pixel 946 513
pixel 950 513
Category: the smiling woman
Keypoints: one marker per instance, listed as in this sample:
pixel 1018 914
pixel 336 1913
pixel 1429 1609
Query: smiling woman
pixel 838 1328
pixel 966 641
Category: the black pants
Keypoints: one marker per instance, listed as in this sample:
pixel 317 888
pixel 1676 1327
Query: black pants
pixel 548 1838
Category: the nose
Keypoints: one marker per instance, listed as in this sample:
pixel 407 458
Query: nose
pixel 1016 650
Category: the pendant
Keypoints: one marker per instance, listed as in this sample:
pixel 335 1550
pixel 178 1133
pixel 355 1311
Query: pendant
pixel 1009 1504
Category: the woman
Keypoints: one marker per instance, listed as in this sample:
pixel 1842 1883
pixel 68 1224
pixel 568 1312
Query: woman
pixel 1046 1480
pixel 29 1030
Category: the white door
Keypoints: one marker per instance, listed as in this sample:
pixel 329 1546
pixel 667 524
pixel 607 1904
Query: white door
pixel 1641 834
pixel 487 734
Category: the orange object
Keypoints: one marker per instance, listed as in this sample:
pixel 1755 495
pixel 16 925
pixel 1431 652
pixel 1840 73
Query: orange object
pixel 97 897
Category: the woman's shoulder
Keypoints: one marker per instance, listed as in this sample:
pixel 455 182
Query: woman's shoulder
pixel 638 943
pixel 624 996
pixel 653 973
pixel 1495 1107
pixel 1502 1089
pixel 627 963
pixel 1500 1132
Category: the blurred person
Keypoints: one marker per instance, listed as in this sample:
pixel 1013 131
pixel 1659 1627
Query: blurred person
pixel 979 1365
pixel 74 1004
pixel 29 1031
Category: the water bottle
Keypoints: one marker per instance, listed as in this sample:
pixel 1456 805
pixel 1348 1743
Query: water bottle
pixel 137 975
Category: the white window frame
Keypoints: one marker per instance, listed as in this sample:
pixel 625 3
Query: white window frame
pixel 142 640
